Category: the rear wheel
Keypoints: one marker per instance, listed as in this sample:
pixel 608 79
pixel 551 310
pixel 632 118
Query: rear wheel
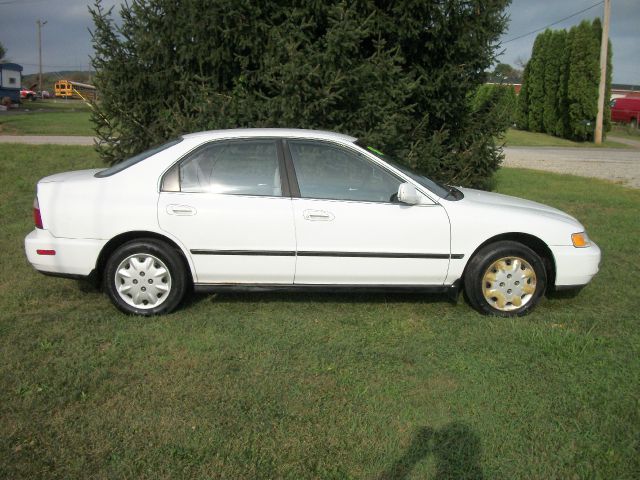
pixel 145 277
pixel 506 279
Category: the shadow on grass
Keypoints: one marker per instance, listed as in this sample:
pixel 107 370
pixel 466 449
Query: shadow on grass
pixel 318 297
pixel 456 449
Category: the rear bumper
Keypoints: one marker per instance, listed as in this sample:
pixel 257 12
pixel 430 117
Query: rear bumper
pixel 575 267
pixel 73 257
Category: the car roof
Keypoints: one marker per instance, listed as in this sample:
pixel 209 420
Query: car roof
pixel 272 132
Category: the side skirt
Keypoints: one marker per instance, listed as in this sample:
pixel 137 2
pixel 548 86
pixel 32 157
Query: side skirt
pixel 450 290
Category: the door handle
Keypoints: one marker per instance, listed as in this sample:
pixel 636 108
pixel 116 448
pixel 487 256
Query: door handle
pixel 181 210
pixel 318 216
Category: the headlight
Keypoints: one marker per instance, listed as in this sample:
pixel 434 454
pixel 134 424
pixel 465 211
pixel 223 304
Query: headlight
pixel 580 240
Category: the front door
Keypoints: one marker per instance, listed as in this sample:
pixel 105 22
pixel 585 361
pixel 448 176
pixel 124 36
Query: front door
pixel 350 229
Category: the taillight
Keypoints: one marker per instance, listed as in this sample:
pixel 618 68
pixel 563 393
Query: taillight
pixel 37 218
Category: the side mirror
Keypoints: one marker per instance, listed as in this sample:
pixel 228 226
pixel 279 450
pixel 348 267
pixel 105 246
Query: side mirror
pixel 408 194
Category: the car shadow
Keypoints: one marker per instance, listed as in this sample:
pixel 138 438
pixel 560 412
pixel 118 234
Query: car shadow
pixel 456 450
pixel 318 297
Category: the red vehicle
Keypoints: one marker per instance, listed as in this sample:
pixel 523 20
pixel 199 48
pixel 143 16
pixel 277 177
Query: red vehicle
pixel 626 110
pixel 27 94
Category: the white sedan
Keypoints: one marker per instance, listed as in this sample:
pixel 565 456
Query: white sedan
pixel 296 209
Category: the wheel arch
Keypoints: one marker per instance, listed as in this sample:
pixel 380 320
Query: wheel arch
pixel 531 241
pixel 123 238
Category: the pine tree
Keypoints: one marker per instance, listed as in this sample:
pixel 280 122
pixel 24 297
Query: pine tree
pixel 522 115
pixel 560 83
pixel 562 124
pixel 584 72
pixel 396 74
pixel 552 76
pixel 536 81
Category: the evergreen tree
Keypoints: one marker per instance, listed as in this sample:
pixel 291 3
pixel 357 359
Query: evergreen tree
pixel 3 52
pixel 552 76
pixel 396 74
pixel 562 99
pixel 560 83
pixel 522 115
pixel 536 89
pixel 584 73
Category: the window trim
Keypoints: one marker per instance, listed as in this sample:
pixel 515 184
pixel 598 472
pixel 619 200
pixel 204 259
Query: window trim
pixel 294 175
pixel 175 167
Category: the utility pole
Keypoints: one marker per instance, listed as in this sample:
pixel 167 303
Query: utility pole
pixel 40 23
pixel 603 71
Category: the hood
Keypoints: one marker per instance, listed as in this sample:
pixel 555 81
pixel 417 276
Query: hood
pixel 499 200
pixel 71 176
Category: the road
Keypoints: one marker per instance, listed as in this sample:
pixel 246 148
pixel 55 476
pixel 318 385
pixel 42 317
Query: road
pixel 46 140
pixel 616 164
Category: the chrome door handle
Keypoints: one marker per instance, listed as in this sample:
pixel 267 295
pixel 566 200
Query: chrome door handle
pixel 181 210
pixel 318 216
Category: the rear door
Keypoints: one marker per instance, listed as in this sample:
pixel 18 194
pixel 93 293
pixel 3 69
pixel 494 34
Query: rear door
pixel 227 202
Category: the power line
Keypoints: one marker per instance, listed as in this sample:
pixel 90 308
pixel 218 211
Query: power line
pixel 554 23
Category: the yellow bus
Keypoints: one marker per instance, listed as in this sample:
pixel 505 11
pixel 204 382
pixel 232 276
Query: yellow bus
pixel 69 89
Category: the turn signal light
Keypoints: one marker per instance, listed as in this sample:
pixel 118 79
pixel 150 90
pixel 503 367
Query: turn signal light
pixel 580 240
pixel 37 218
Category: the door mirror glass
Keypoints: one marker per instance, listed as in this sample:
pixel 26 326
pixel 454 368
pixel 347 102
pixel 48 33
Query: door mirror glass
pixel 408 194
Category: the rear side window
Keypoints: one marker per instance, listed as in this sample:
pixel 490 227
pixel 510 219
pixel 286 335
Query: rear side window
pixel 138 158
pixel 248 167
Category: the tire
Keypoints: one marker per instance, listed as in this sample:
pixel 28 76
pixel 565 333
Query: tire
pixel 505 279
pixel 145 277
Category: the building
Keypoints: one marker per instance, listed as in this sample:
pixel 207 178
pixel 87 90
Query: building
pixel 619 90
pixel 10 81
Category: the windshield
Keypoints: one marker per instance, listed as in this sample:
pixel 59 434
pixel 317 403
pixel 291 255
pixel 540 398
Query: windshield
pixel 118 167
pixel 432 185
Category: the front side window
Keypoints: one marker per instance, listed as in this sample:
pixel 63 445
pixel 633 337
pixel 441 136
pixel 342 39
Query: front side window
pixel 238 168
pixel 330 172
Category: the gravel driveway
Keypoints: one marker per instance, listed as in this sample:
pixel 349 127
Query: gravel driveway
pixel 619 165
pixel 46 139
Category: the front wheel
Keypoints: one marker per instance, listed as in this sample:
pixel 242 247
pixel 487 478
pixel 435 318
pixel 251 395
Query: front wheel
pixel 145 277
pixel 506 279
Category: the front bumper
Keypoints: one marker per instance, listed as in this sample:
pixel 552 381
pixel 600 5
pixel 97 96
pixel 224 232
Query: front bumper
pixel 73 257
pixel 575 266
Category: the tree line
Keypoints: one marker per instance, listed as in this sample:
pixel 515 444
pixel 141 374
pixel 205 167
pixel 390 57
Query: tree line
pixel 559 94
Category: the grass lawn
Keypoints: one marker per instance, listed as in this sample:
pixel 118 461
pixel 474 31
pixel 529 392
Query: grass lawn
pixel 238 386
pixel 625 131
pixel 520 138
pixel 48 117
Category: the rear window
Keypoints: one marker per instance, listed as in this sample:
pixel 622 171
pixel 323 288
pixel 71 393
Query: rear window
pixel 135 159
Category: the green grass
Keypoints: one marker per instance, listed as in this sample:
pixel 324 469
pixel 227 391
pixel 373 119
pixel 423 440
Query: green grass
pixel 521 138
pixel 48 117
pixel 318 385
pixel 626 131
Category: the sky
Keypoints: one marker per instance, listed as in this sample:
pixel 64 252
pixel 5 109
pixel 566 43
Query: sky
pixel 66 42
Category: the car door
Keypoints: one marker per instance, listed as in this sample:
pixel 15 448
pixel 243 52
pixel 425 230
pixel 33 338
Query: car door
pixel 350 229
pixel 228 204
